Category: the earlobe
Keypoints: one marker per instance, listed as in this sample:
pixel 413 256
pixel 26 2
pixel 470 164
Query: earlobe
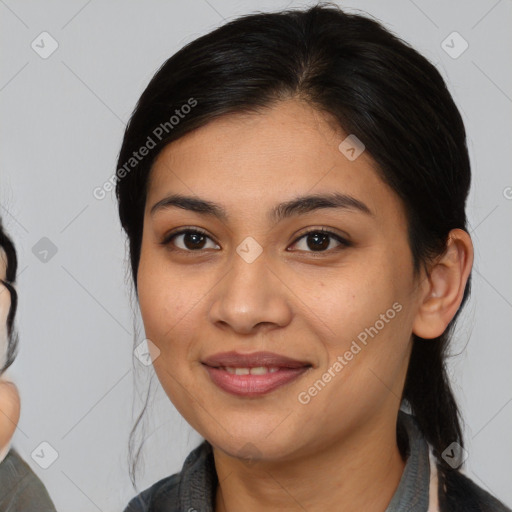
pixel 443 289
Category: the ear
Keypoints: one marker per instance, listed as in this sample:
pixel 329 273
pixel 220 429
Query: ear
pixel 442 290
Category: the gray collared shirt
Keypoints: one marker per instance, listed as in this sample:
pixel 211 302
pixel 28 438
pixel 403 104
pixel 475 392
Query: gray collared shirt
pixel 194 488
pixel 20 488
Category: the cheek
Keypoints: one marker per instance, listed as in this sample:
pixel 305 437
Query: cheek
pixel 365 317
pixel 154 294
pixel 169 301
pixel 159 304
pixel 169 304
pixel 350 301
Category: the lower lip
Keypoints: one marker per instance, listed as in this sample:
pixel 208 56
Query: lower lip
pixel 253 385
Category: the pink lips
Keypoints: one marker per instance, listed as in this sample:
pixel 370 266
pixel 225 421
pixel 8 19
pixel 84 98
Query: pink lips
pixel 284 370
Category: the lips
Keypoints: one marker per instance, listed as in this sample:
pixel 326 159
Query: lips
pixel 252 375
pixel 254 360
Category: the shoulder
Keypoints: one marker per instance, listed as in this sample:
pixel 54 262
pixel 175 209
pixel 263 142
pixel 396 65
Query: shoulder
pixel 196 482
pixel 163 492
pixel 457 493
pixel 20 488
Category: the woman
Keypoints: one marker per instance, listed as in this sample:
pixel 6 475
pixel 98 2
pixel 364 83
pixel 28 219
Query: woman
pixel 20 488
pixel 293 189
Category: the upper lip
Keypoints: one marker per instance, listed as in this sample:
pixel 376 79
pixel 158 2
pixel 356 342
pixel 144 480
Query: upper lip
pixel 236 360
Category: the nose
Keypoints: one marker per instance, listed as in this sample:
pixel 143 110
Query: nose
pixel 250 297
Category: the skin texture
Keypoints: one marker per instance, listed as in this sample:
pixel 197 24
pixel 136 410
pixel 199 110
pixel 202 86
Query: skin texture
pixel 9 396
pixel 294 300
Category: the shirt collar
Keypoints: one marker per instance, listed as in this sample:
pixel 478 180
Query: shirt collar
pixel 413 490
pixel 198 482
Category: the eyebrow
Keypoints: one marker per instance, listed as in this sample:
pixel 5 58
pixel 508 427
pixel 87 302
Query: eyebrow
pixel 298 206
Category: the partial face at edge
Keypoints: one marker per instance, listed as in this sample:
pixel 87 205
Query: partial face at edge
pixel 308 298
pixel 5 306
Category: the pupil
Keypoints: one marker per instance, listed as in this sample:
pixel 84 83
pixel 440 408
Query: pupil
pixel 193 237
pixel 315 236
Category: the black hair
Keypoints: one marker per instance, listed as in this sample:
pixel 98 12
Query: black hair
pixel 376 87
pixel 10 279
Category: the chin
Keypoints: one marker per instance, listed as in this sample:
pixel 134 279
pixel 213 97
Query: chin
pixel 253 445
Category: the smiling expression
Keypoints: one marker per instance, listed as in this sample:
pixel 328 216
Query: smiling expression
pixel 262 269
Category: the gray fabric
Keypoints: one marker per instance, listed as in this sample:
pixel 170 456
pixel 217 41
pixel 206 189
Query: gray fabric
pixel 412 492
pixel 194 488
pixel 20 488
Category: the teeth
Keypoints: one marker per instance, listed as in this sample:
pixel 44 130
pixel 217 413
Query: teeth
pixel 258 370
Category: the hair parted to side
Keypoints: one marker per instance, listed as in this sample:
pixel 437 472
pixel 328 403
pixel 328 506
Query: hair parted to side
pixel 375 86
pixel 9 253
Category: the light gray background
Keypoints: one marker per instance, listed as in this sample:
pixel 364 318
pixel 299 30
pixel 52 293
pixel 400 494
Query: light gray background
pixel 62 122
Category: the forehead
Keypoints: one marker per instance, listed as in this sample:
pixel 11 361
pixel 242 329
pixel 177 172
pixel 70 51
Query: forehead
pixel 289 138
pixel 252 161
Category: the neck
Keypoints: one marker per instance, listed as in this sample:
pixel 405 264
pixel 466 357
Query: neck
pixel 360 472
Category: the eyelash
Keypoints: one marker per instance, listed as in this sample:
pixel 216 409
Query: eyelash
pixel 343 242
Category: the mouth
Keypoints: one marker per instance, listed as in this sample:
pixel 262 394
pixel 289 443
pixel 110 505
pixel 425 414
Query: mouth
pixel 252 375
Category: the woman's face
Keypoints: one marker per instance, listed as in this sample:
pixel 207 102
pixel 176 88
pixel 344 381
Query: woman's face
pixel 5 306
pixel 255 283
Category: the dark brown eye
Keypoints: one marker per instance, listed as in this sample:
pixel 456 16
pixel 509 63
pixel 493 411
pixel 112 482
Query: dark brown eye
pixel 194 240
pixel 189 240
pixel 319 240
